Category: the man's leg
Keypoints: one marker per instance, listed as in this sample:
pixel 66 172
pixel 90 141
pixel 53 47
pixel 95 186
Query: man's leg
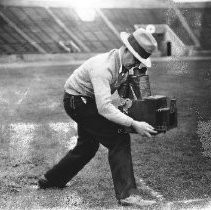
pixel 74 160
pixel 121 165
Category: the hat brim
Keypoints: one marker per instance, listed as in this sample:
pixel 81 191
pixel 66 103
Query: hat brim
pixel 124 37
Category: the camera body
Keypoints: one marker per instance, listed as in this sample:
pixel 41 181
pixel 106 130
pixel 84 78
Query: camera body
pixel 159 111
pixel 138 103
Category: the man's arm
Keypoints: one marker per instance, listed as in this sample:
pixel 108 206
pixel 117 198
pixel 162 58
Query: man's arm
pixel 104 104
pixel 108 110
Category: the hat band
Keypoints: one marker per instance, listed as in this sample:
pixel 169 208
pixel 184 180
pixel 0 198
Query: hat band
pixel 135 45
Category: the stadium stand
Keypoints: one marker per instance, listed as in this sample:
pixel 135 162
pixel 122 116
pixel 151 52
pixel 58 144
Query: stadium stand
pixel 96 34
pixel 36 29
pixel 199 21
pixel 38 25
pixel 12 42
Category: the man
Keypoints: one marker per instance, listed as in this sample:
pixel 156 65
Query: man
pixel 87 100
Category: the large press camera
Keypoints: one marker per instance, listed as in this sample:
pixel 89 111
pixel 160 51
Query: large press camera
pixel 138 103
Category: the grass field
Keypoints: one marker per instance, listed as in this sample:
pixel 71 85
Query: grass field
pixel 35 133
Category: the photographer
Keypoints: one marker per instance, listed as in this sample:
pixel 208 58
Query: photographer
pixel 87 100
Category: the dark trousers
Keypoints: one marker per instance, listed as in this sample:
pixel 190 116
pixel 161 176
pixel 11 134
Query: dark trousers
pixel 94 129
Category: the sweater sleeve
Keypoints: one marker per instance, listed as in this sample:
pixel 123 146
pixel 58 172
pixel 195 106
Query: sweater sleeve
pixel 105 107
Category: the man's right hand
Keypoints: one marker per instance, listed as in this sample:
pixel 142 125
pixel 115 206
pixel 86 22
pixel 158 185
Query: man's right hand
pixel 143 128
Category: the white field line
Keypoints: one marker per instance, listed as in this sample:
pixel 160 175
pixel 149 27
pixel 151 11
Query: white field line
pixel 21 134
pixel 3 100
pixel 23 97
pixel 62 129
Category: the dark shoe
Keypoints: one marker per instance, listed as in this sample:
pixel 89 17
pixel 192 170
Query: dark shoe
pixel 43 183
pixel 136 200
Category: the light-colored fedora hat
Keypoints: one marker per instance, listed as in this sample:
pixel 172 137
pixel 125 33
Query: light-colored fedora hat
pixel 141 44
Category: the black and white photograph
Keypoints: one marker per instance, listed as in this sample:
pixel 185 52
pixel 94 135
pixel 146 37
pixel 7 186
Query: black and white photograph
pixel 105 104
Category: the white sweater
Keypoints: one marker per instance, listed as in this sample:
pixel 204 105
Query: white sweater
pixel 97 78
